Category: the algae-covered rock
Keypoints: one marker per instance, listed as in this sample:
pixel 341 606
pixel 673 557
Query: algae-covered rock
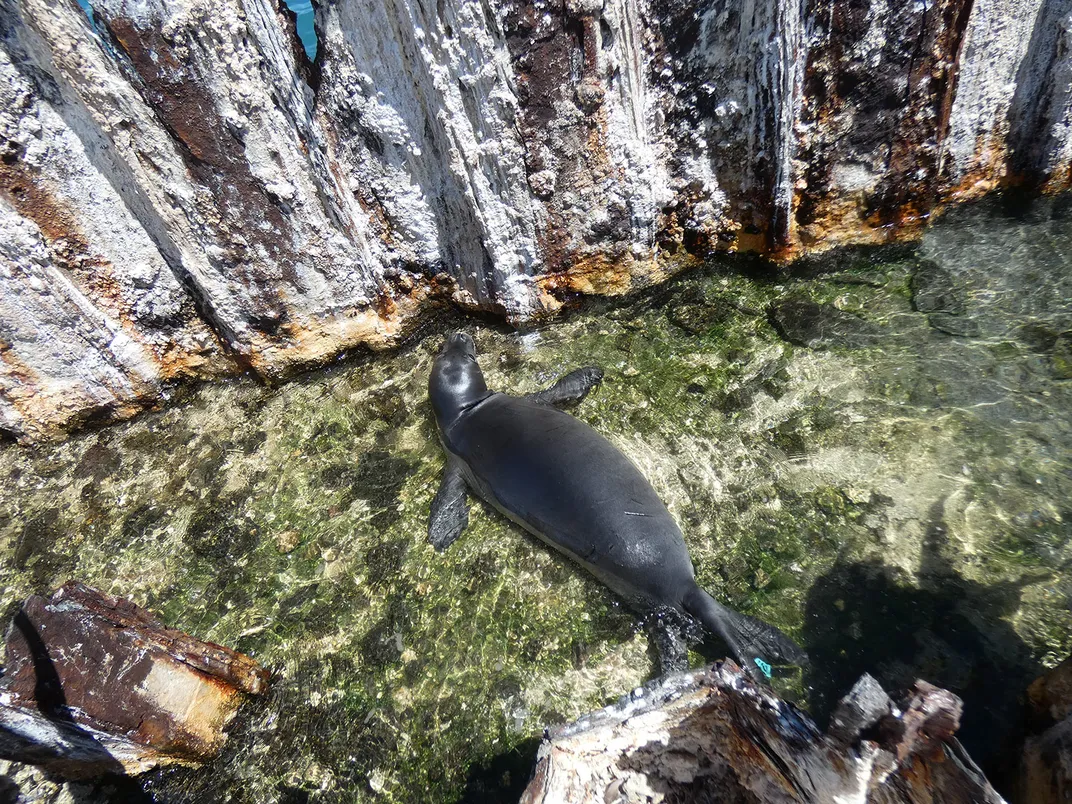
pixel 934 291
pixel 952 324
pixel 806 323
pixel 1062 356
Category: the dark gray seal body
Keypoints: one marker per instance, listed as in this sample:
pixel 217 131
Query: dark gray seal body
pixel 565 483
pixel 562 481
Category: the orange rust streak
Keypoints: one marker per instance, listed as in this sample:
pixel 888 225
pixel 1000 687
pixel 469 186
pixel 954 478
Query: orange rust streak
pixel 71 252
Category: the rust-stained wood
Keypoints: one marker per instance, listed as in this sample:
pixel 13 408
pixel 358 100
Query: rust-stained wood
pixel 714 735
pixel 93 683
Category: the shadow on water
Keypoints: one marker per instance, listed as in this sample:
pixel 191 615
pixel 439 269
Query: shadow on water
pixel 9 791
pixel 112 784
pixel 948 630
pixel 503 777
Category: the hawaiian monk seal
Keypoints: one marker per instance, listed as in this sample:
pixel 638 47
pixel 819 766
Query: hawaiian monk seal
pixel 562 481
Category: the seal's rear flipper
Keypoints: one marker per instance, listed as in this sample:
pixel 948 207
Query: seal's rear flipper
pixel 756 644
pixel 450 511
pixel 571 389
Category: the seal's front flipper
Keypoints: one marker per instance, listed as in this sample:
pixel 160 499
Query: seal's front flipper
pixel 450 510
pixel 756 644
pixel 571 389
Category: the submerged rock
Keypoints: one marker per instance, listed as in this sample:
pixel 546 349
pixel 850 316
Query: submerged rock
pixel 933 290
pixel 954 324
pixel 94 684
pixel 1037 336
pixel 1046 762
pixel 697 317
pixel 1062 356
pixel 716 736
pixel 807 323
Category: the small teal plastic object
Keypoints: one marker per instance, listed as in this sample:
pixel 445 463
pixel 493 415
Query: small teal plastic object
pixel 762 665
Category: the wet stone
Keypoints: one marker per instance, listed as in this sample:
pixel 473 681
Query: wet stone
pixel 388 406
pixel 954 325
pixel 252 442
pixel 807 323
pixel 218 535
pixel 385 560
pixel 327 436
pixel 378 478
pixel 1062 356
pixel 287 541
pixel 1037 336
pixel 934 291
pixel 98 462
pixel 42 549
pixel 869 277
pixel 698 318
pixel 864 706
pixel 143 522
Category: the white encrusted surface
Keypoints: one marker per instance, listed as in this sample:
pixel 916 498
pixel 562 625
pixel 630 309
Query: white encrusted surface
pixel 254 230
pixel 995 43
pixel 422 101
pixel 93 319
pixel 60 357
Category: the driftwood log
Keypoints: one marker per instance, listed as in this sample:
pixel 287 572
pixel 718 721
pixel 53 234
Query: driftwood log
pixel 714 735
pixel 94 684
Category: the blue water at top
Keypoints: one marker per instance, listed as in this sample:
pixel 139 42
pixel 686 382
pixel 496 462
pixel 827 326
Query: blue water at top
pixel 89 12
pixel 303 9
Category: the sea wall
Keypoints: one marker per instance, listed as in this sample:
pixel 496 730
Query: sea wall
pixel 184 195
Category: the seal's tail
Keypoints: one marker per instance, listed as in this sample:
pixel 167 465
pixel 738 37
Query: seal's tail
pixel 756 644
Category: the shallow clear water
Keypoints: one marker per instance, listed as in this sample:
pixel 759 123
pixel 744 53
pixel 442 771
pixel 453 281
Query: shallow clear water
pixel 897 500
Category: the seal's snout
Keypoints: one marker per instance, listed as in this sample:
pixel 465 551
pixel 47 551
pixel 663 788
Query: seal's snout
pixel 461 343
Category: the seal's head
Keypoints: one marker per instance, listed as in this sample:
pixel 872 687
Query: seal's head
pixel 456 382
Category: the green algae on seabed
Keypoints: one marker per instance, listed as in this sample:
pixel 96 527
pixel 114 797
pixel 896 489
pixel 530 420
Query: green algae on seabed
pixel 900 508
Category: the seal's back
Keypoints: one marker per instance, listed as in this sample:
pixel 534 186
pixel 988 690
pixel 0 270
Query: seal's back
pixel 564 482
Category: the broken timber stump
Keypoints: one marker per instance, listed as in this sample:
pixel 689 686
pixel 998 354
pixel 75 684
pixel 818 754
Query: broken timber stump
pixel 94 684
pixel 714 735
